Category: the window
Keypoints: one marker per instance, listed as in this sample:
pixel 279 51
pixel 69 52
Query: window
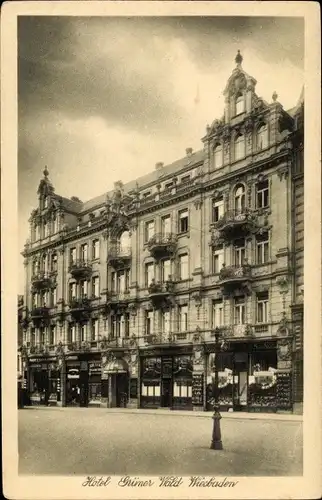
pixel 146 194
pixel 113 282
pixel 34 300
pixel 83 329
pixel 149 273
pixel 217 313
pixel 239 104
pixel 120 282
pixel 262 194
pixel 183 318
pixel 126 325
pixel 72 255
pixel 52 335
pixel 262 137
pixel 54 263
pixel 42 335
pixel 165 321
pixel 53 296
pixel 239 252
pixel 84 252
pixel 83 289
pixel 45 202
pixel 125 242
pixel 183 221
pixel 44 262
pixel 165 270
pixel 168 185
pixel 127 279
pixel 96 286
pixel 55 224
pixel 72 291
pixel 217 209
pixel 37 232
pixel 94 329
pixel 95 249
pixel 262 307
pixel 239 311
pixel 33 337
pixel 149 230
pixel 166 225
pixel 183 267
pixel 148 322
pixel 262 244
pixel 218 156
pixel 185 178
pixel 46 229
pixel 217 260
pixel 239 147
pixel 240 199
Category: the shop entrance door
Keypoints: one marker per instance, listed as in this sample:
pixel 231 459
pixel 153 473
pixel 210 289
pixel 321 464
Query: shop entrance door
pixel 240 381
pixel 166 393
pixel 122 389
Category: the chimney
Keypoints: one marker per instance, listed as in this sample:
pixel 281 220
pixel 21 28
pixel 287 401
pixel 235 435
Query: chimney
pixel 159 165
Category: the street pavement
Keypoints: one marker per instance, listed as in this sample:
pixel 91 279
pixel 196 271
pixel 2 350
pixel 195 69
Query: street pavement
pixel 84 441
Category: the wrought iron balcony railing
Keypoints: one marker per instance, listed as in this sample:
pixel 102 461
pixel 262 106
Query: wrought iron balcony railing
pixel 80 268
pixel 157 289
pixel 234 273
pixel 162 244
pixel 234 221
pixel 41 280
pixel 39 312
pixel 119 255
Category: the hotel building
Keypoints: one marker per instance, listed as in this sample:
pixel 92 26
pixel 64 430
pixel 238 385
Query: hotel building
pixel 124 293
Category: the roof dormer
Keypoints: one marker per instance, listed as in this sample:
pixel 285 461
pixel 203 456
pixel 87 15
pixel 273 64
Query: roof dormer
pixel 238 92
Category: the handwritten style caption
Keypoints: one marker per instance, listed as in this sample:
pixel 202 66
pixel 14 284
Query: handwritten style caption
pixel 162 482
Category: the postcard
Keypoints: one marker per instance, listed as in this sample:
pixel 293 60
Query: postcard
pixel 161 243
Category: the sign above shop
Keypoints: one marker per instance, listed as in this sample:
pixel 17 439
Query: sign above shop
pixel 73 373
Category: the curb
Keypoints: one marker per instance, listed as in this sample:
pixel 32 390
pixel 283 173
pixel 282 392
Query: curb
pixel 208 414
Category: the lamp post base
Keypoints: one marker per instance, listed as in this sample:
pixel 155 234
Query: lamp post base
pixel 216 443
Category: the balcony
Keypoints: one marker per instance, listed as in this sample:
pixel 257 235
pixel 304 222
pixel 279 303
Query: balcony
pixel 79 347
pixel 161 292
pixel 119 256
pixel 161 245
pixel 119 300
pixel 232 277
pixel 242 331
pixel 236 223
pixel 112 342
pixel 39 349
pixel 80 308
pixel 40 314
pixel 154 338
pixel 80 269
pixel 40 281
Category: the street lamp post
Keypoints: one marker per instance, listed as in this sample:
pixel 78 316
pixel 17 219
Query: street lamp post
pixel 216 443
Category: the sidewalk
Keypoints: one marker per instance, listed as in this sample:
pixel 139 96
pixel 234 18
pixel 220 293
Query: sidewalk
pixel 182 413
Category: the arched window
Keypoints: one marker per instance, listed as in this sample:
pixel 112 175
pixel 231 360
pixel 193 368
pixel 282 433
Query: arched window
pixel 218 156
pixel 262 137
pixel 45 201
pixel 239 147
pixel 240 198
pixel 125 241
pixel 239 104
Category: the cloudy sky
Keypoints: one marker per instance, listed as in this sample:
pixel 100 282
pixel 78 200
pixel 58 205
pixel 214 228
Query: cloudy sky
pixel 104 99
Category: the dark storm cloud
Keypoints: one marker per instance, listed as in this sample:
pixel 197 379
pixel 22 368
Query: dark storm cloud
pixel 61 67
pixel 52 76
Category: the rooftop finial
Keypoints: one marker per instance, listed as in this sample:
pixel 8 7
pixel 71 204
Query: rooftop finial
pixel 274 96
pixel 238 58
pixel 46 173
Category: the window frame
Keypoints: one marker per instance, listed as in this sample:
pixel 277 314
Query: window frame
pixel 180 260
pixel 261 245
pixel 262 299
pixel 239 140
pixel 218 150
pixel 183 312
pixel 147 235
pixel 215 205
pixel 217 253
pixel 185 229
pixel 148 265
pixel 214 310
pixel 260 194
pixel 240 99
pixel 95 254
pixel 262 131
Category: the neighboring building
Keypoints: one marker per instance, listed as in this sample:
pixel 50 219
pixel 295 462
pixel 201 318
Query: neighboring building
pixel 123 293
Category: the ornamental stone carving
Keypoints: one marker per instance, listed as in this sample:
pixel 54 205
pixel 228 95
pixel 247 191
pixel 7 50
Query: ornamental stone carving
pixel 284 350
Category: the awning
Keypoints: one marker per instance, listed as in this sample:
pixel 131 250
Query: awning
pixel 116 366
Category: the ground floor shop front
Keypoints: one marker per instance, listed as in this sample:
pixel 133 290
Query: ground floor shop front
pixel 252 376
